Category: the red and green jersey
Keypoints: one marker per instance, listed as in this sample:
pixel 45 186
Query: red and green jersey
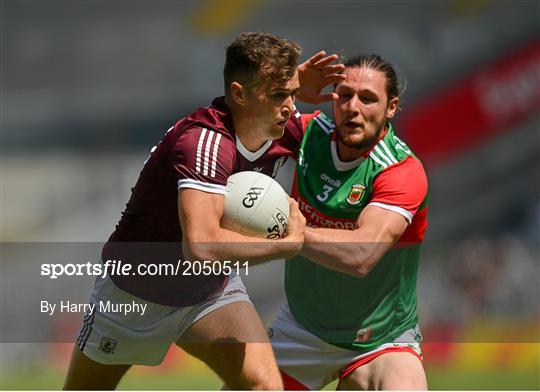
pixel 352 312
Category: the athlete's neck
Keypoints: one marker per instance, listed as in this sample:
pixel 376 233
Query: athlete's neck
pixel 249 137
pixel 250 141
pixel 348 154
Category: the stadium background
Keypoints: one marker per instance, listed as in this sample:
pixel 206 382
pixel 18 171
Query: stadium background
pixel 89 87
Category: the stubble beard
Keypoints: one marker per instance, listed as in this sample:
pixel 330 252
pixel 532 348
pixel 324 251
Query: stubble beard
pixel 363 144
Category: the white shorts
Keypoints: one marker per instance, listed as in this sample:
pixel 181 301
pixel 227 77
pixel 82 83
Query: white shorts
pixel 142 336
pixel 310 363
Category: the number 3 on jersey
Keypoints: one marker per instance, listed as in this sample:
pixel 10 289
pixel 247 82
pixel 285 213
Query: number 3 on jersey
pixel 325 193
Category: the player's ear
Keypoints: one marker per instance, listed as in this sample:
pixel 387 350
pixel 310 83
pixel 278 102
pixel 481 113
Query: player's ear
pixel 238 93
pixel 393 106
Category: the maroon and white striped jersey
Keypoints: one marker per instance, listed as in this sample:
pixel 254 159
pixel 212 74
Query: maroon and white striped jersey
pixel 200 151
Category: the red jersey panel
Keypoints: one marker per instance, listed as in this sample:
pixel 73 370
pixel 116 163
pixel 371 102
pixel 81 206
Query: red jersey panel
pixel 201 151
pixel 404 185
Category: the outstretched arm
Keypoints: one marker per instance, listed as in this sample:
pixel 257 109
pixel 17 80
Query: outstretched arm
pixel 397 195
pixel 355 252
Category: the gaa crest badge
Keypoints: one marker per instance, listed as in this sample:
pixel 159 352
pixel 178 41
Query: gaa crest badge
pixel 355 194
pixel 108 345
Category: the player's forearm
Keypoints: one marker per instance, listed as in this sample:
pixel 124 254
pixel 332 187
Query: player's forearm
pixel 223 244
pixel 341 250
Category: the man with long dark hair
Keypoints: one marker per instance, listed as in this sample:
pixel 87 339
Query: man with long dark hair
pixel 351 308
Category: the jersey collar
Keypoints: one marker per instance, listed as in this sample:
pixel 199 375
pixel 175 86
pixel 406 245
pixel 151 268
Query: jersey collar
pixel 225 114
pixel 344 166
pixel 381 136
pixel 338 163
pixel 219 103
pixel 252 156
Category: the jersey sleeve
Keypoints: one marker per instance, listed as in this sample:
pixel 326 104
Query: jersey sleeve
pixel 203 159
pixel 401 188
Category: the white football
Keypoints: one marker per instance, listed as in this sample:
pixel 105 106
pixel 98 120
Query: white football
pixel 256 205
